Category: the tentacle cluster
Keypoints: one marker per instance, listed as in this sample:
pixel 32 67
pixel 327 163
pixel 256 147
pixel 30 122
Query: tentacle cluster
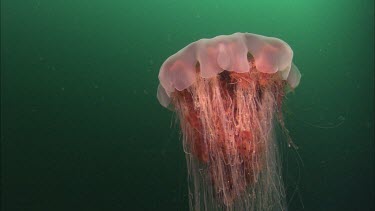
pixel 227 124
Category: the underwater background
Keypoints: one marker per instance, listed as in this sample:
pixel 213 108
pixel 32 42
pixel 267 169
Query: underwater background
pixel 81 128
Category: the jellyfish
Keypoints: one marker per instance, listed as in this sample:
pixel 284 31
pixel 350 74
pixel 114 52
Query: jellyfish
pixel 228 92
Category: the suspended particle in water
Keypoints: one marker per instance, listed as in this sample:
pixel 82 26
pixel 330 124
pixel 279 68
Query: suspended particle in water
pixel 228 91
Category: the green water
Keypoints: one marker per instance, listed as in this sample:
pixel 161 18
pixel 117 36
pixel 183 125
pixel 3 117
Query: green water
pixel 81 128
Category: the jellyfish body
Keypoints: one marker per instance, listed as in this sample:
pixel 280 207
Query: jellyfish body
pixel 226 92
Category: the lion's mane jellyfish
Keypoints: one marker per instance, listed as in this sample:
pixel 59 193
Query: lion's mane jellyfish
pixel 228 93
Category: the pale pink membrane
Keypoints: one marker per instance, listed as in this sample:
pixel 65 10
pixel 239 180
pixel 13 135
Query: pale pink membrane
pixel 224 52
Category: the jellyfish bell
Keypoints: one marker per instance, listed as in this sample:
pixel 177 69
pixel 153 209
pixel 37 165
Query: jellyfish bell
pixel 226 92
pixel 226 52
